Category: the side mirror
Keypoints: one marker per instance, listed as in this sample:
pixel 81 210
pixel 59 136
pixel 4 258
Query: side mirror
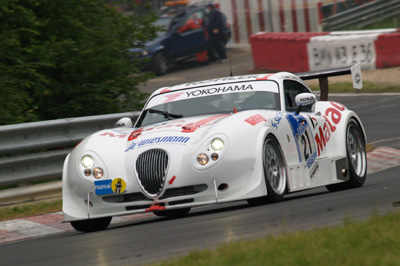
pixel 124 122
pixel 304 99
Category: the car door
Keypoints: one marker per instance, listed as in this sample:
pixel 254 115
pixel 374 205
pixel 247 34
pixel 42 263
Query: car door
pixel 188 36
pixel 304 127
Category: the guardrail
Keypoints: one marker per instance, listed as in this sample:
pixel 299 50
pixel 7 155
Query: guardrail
pixel 363 15
pixel 36 151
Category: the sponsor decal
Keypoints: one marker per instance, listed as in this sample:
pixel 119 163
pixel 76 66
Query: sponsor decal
pixel 103 187
pixel 266 77
pixel 219 90
pixel 165 90
pixel 255 119
pixel 314 170
pixel 171 181
pixel 172 97
pixel 135 134
pixel 277 119
pixel 113 135
pixel 332 117
pixel 302 134
pixel 158 141
pixel 118 185
pixel 334 54
pixel 192 127
pixel 245 77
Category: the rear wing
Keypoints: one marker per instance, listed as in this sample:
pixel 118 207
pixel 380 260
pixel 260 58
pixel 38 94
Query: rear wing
pixel 323 75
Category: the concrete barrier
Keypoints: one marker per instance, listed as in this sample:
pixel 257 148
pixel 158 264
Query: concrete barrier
pixel 302 52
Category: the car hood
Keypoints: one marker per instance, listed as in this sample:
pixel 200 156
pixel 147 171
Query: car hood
pixel 190 131
pixel 149 45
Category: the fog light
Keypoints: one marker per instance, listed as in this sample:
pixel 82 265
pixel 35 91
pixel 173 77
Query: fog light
pixel 87 172
pixel 202 158
pixel 98 173
pixel 214 156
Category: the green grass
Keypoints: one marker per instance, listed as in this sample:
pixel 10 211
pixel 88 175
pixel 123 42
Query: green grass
pixel 368 87
pixel 30 209
pixel 373 242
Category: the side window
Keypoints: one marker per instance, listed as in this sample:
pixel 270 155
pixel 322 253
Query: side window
pixel 192 22
pixel 291 89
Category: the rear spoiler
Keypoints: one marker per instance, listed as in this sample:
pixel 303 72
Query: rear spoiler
pixel 323 75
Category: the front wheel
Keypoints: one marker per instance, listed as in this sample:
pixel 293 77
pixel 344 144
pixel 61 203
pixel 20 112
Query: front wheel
pixel 91 225
pixel 356 158
pixel 274 172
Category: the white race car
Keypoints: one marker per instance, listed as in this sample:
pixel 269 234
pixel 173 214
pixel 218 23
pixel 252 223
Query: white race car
pixel 252 137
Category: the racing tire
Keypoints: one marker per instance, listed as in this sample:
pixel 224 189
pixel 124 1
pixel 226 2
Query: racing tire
pixel 274 171
pixel 160 64
pixel 173 213
pixel 356 158
pixel 91 225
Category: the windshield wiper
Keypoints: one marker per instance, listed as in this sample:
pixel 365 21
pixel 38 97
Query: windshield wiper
pixel 165 113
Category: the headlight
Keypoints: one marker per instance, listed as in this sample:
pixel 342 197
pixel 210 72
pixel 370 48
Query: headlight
pixel 87 161
pixel 217 144
pixel 202 158
pixel 98 173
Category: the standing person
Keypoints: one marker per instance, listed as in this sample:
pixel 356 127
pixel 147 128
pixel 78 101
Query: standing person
pixel 216 28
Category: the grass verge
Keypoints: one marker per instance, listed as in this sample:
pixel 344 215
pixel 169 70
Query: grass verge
pixel 30 209
pixel 372 242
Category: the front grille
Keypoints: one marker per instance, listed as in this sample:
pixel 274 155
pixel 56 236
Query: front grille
pixel 151 169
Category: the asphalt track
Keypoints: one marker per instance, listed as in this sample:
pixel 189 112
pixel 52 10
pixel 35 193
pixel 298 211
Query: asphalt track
pixel 150 239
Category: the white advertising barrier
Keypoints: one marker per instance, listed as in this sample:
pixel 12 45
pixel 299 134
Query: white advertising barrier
pixel 342 49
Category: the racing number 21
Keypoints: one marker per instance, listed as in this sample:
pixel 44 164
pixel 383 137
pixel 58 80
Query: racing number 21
pixel 305 141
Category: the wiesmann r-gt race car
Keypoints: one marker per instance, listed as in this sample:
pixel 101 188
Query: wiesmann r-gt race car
pixel 254 137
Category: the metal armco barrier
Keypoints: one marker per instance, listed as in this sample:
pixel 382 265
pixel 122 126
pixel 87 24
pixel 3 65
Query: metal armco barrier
pixel 363 15
pixel 36 151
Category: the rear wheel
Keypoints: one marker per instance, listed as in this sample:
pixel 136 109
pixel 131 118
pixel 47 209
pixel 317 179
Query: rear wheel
pixel 91 225
pixel 160 64
pixel 274 172
pixel 173 213
pixel 356 158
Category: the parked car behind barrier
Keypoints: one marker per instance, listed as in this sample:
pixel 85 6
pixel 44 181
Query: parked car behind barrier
pixel 178 41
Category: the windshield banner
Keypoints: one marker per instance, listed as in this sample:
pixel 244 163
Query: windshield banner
pixel 219 89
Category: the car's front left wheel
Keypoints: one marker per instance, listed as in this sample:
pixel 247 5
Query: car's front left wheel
pixel 274 172
pixel 91 225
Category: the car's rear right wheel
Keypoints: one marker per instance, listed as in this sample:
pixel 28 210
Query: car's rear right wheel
pixel 356 158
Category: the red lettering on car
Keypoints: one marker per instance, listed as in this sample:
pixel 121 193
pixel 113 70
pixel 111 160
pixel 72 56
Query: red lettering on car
pixel 332 117
pixel 255 119
pixel 135 134
pixel 110 134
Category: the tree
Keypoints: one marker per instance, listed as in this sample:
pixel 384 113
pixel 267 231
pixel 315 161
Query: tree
pixel 68 58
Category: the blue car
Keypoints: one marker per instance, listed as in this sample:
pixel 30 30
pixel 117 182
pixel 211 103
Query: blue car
pixel 184 37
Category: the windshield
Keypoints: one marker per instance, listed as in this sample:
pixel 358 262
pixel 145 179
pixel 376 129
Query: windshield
pixel 163 22
pixel 217 99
